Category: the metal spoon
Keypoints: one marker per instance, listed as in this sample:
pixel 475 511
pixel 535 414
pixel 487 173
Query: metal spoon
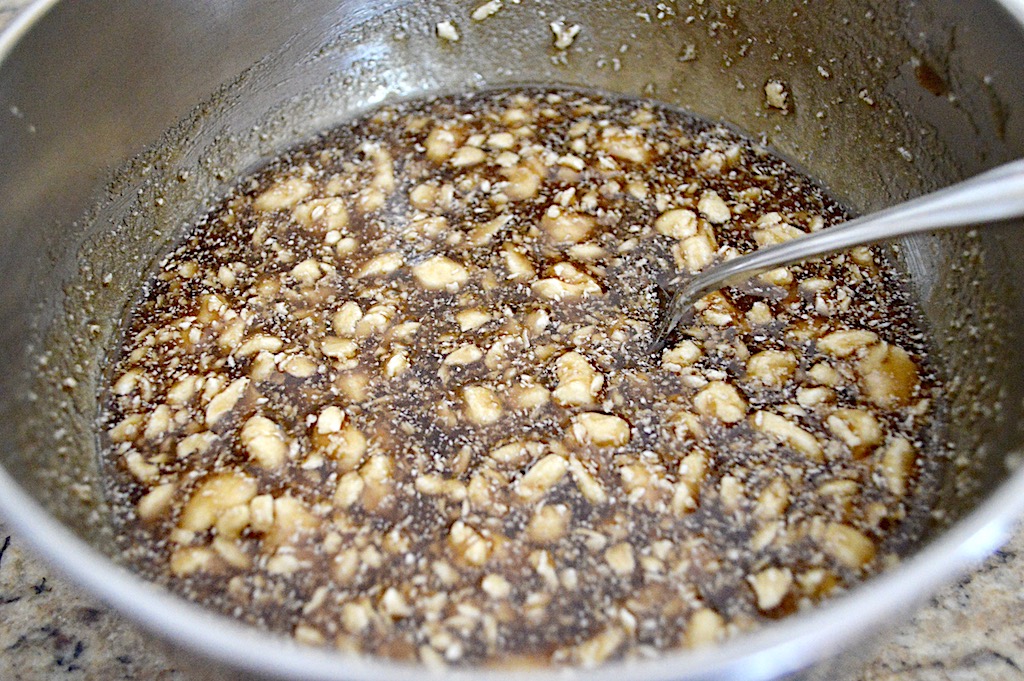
pixel 994 195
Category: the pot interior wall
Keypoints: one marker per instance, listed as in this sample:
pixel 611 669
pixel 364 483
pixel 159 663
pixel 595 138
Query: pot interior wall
pixel 886 101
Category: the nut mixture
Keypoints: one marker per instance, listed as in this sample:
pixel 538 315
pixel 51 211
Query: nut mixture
pixel 394 394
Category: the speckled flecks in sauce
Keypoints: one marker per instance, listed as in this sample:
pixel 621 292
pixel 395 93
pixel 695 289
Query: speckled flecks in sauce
pixel 393 394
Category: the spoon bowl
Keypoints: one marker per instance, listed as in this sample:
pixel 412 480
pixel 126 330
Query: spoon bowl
pixel 992 196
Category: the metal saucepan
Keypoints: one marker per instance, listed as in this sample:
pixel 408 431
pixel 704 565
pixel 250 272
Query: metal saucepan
pixel 121 120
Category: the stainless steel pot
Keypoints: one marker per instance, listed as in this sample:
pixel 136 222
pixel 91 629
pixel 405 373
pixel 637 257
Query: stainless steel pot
pixel 121 120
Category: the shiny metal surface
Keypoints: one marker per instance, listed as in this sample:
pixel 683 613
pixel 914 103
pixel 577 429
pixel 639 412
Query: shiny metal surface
pixel 995 195
pixel 120 120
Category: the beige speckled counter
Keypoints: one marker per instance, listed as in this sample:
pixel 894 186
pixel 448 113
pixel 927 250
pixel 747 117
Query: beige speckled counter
pixel 50 629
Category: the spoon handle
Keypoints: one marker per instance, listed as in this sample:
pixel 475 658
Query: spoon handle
pixel 997 194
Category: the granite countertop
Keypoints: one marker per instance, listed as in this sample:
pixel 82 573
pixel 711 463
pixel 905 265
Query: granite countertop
pixel 51 629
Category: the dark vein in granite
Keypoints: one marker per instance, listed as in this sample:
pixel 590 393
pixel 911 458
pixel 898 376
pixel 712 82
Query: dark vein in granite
pixel 3 549
pixel 67 650
pixel 6 600
pixel 974 660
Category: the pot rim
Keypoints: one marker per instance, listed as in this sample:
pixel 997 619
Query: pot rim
pixel 784 647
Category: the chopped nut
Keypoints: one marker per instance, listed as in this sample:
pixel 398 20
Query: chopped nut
pixel 603 430
pixel 773 500
pixel 346 446
pixel 307 272
pixel 482 405
pixel 405 331
pixel 501 140
pixel 183 391
pixel 567 227
pixel 771 586
pixel 469 544
pixel 620 559
pixel 721 401
pixel 789 433
pixel 541 477
pixel 441 143
pixel 349 490
pixel 259 343
pixel 190 560
pixel 548 524
pixel 377 475
pixel 523 182
pixel 265 442
pixel 330 420
pixel 588 485
pixel 225 401
pixel 472 319
pixel 705 628
pixel 328 214
pixel 356 617
pixel 299 366
pixel 375 320
pixel 496 586
pixel 772 367
pixel 780 276
pixel 825 375
pixel 775 95
pixel 731 492
pixel 814 397
pixel 678 223
pixel 845 343
pixel 261 512
pixel 759 314
pixel 308 635
pixel 596 650
pixel 440 273
pixel 446 31
pixel 714 208
pixel 568 282
pixel 156 502
pixel 159 422
pixel 624 145
pixel 196 443
pixel 858 428
pixel 564 35
pixel 229 552
pixel 127 430
pixel 897 465
pixel 692 470
pixel 396 364
pixel 681 356
pixel 345 319
pixel 464 354
pixel 530 397
pixel 517 453
pixel 284 194
pixel 394 605
pixel 579 384
pixel 847 545
pixel 467 156
pixel 126 384
pixel 696 252
pixel 214 496
pixel 888 376
pixel 519 266
pixel 381 265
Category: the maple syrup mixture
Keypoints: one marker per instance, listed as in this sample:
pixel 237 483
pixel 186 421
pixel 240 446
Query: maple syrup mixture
pixel 395 394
